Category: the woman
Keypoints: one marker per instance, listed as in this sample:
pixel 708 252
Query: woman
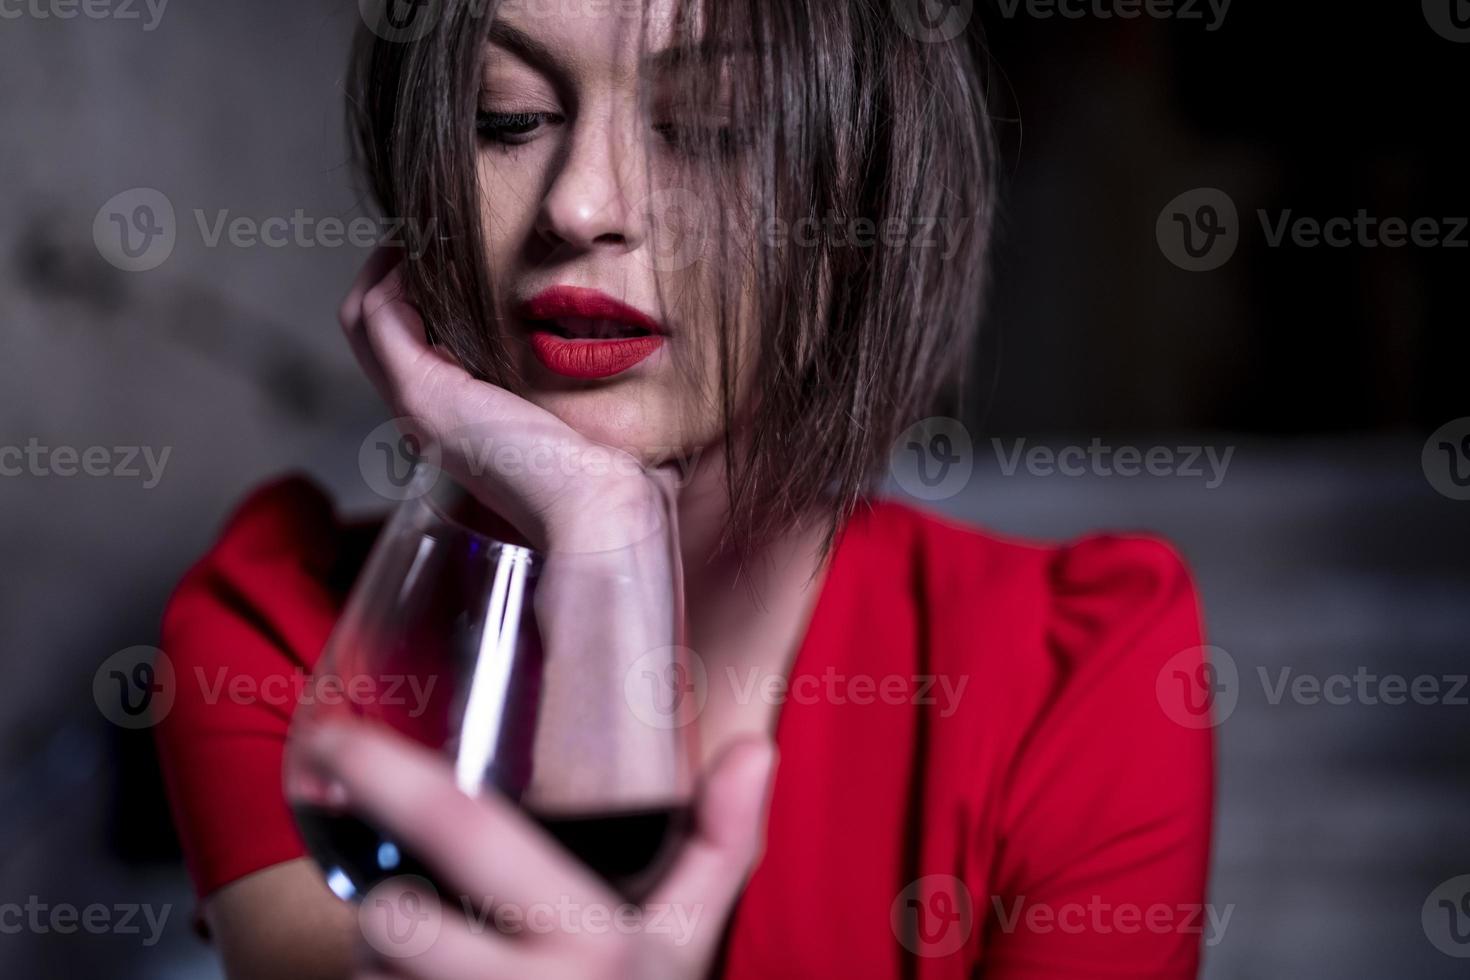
pixel 707 232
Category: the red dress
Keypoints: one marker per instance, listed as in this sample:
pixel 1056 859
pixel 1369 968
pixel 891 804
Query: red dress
pixel 1039 810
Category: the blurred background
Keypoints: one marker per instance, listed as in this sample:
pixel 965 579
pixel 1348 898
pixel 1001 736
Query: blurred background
pixel 1158 289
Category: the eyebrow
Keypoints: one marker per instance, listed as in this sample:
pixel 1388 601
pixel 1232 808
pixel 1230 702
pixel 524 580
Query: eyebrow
pixel 520 43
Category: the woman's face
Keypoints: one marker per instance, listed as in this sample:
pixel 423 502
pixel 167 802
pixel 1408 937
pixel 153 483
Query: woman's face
pixel 593 230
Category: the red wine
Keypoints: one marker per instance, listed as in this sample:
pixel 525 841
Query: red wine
pixel 630 849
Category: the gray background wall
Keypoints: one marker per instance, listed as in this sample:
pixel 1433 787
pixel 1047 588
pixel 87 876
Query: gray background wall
pixel 1325 550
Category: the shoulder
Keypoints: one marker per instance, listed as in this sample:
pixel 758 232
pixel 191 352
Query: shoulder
pixel 1049 623
pixel 279 567
pixel 246 622
pixel 1095 579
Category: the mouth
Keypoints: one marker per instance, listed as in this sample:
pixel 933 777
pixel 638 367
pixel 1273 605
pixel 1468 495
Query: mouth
pixel 586 334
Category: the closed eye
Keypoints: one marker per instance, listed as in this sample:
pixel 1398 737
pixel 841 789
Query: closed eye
pixel 511 128
pixel 688 139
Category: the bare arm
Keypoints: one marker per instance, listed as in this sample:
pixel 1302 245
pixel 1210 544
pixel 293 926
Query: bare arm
pixel 282 922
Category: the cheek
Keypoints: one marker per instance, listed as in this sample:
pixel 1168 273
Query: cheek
pixel 647 419
pixel 508 207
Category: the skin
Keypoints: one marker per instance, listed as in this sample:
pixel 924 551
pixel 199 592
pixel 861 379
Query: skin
pixel 564 206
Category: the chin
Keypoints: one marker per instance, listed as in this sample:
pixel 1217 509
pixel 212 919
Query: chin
pixel 639 426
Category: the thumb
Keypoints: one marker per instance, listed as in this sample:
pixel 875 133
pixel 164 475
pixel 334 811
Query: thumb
pixel 729 830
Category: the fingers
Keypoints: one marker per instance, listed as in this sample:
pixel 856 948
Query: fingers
pixel 482 846
pixel 412 935
pixel 383 259
pixel 350 314
pixel 729 833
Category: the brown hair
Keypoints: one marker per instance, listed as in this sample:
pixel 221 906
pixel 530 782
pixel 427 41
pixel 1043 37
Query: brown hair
pixel 842 108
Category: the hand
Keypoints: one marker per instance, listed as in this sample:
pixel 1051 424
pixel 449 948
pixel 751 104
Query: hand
pixel 558 488
pixel 485 847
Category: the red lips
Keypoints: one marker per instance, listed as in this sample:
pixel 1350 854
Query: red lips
pixel 586 334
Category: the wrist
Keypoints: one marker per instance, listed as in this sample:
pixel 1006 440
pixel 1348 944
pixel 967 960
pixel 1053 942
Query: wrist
pixel 607 516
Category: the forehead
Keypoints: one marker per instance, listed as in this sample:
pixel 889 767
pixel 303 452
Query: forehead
pixel 589 34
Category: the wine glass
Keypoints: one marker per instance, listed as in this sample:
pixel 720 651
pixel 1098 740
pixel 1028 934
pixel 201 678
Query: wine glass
pixel 549 677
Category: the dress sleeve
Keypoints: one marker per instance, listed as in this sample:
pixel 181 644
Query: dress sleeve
pixel 1105 827
pixel 241 633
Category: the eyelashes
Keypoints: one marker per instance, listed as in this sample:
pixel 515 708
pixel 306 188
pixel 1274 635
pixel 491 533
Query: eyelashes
pixel 519 128
pixel 511 128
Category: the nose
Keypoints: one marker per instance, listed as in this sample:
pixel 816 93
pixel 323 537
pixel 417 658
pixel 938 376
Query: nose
pixel 594 198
